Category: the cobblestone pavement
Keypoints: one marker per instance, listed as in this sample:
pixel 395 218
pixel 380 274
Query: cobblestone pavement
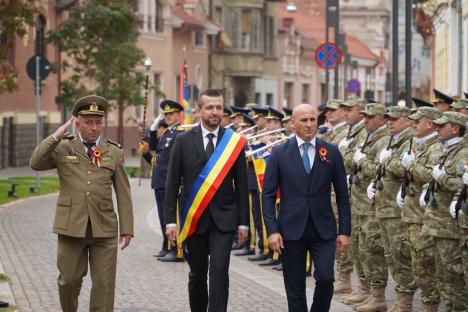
pixel 28 251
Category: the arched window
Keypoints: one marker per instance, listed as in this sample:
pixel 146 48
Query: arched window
pixel 40 48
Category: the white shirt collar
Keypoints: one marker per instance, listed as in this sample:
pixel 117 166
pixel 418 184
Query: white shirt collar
pixel 426 138
pixel 96 143
pixel 301 141
pixel 338 125
pixel 206 131
pixel 451 142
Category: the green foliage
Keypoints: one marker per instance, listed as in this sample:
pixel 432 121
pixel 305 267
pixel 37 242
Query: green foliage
pixel 47 185
pixel 3 278
pixel 99 39
pixel 15 18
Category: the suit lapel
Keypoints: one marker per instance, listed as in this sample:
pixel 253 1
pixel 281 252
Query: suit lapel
pixel 198 141
pixel 296 158
pixel 78 148
pixel 317 162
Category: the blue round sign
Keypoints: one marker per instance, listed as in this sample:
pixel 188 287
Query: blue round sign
pixel 354 86
pixel 328 55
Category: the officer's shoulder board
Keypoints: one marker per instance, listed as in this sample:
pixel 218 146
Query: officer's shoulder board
pixel 114 143
pixel 179 128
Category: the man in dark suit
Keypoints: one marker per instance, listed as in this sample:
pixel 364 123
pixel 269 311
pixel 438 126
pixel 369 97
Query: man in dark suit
pixel 304 168
pixel 226 212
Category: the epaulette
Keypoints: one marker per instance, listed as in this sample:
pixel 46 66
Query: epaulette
pixel 179 128
pixel 114 143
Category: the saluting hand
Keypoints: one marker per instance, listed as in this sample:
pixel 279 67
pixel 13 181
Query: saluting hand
pixel 275 241
pixel 62 132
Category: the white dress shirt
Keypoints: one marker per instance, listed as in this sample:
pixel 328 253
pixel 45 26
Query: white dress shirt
pixel 205 133
pixel 96 143
pixel 311 151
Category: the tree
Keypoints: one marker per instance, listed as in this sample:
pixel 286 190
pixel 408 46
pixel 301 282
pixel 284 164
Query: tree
pixel 99 40
pixel 15 18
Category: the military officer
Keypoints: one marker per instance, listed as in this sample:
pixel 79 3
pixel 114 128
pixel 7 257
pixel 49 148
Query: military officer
pixel 88 166
pixel 236 117
pixel 441 101
pixel 371 250
pixel 418 164
pixel 259 115
pixel 274 119
pixel 286 122
pixel 460 106
pixel 336 117
pixel 227 112
pixel 355 137
pixel 436 199
pixel 162 145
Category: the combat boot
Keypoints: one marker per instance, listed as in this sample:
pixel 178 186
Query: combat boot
pixel 376 303
pixel 426 307
pixel 404 303
pixel 343 283
pixel 361 294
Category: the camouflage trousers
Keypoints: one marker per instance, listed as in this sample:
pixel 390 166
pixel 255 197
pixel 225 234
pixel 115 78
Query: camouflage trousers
pixel 354 250
pixel 344 260
pixel 372 252
pixel 423 263
pixel 397 253
pixel 450 276
pixel 464 252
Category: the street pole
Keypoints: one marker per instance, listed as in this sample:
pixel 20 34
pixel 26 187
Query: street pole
pixel 408 51
pixel 327 72
pixel 394 52
pixel 460 47
pixel 38 105
pixel 336 27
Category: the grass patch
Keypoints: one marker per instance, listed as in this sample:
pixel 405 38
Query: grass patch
pixel 23 185
pixel 3 278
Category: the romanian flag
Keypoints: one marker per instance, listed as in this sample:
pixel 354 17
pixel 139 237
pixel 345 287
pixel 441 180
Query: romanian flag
pixel 184 94
pixel 259 163
pixel 209 181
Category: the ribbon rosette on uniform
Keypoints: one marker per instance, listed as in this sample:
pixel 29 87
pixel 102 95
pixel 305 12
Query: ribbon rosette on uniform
pixel 323 153
pixel 97 157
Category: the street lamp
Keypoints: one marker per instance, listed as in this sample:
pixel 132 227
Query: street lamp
pixel 291 7
pixel 148 63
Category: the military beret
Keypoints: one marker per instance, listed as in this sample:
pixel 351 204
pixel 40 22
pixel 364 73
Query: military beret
pixel 236 111
pixel 397 112
pixel 169 106
pixel 333 104
pixel 453 118
pixel 374 109
pixel 90 105
pixel 247 121
pixel 353 101
pixel 274 114
pixel 461 103
pixel 428 112
pixel 441 98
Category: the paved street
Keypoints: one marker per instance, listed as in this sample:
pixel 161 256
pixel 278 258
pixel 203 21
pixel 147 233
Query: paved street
pixel 28 248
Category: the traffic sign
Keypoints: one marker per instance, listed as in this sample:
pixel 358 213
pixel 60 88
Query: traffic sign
pixel 354 86
pixel 44 68
pixel 328 55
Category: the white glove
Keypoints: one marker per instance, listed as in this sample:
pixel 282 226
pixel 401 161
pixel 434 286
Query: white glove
pixel 408 159
pixel 384 154
pixel 437 172
pixel 422 201
pixel 347 180
pixel 452 209
pixel 345 143
pixel 465 178
pixel 400 201
pixel 371 191
pixel 154 125
pixel 358 156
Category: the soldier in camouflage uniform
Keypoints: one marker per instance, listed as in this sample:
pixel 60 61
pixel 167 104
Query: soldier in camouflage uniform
pixel 356 136
pixel 460 106
pixel 371 249
pixel 384 191
pixel 418 166
pixel 437 220
pixel 344 263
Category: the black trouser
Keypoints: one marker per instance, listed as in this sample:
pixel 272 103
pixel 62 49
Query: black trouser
pixel 160 202
pixel 209 250
pixel 294 271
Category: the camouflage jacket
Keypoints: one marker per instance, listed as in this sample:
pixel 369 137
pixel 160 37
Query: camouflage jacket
pixel 336 134
pixel 420 173
pixel 377 141
pixel 437 220
pixel 392 171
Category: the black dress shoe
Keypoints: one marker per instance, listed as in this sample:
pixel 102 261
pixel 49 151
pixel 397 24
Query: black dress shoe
pixel 278 267
pixel 270 261
pixel 242 252
pixel 4 304
pixel 161 253
pixel 235 246
pixel 258 257
pixel 170 258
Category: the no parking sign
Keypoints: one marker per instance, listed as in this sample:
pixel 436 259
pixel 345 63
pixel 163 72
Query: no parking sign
pixel 354 86
pixel 328 55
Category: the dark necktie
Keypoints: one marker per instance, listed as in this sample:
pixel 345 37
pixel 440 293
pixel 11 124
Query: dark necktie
pixel 89 146
pixel 210 145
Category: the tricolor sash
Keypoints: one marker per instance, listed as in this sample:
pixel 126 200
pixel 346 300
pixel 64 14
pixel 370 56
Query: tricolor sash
pixel 209 180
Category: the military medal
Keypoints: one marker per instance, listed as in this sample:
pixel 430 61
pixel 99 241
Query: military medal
pixel 323 153
pixel 97 157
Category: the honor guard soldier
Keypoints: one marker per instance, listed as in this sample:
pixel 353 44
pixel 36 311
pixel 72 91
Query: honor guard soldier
pixel 436 200
pixel 441 101
pixel 286 122
pixel 227 112
pixel 460 106
pixel 88 167
pixel 336 117
pixel 260 117
pixel 236 117
pixel 418 164
pixel 274 119
pixel 162 145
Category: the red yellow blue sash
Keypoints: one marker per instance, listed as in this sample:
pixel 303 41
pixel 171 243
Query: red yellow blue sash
pixel 209 180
